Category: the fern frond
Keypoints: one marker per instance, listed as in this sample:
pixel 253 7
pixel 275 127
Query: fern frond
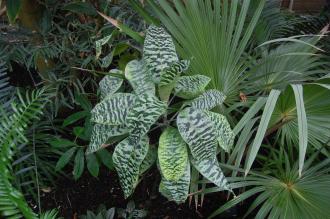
pixel 12 132
pixel 5 88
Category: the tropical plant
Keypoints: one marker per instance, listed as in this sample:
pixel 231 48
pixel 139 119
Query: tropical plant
pixel 101 213
pixel 187 122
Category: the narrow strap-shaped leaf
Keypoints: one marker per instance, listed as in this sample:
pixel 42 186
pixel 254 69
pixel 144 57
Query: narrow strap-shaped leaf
pixel 176 190
pixel 189 87
pixel 127 159
pixel 158 52
pixel 172 154
pixel 149 160
pixel 110 84
pixel 209 100
pixel 198 132
pixel 225 135
pixel 269 108
pixel 137 75
pixel 176 69
pixel 302 124
pixel 144 114
pixel 211 170
pixel 113 109
pixel 101 134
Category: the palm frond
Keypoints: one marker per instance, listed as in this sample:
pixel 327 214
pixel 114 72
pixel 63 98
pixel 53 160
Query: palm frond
pixel 5 89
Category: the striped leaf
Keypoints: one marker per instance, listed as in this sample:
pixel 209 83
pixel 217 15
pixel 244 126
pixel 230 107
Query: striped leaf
pixel 189 87
pixel 211 170
pixel 127 159
pixel 158 52
pixel 144 114
pixel 138 77
pixel 224 133
pixel 176 190
pixel 113 109
pixel 149 160
pixel 110 84
pixel 172 154
pixel 101 134
pixel 170 74
pixel 198 132
pixel 209 100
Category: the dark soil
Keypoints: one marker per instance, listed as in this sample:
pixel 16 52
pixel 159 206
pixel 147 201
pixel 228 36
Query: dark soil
pixel 75 198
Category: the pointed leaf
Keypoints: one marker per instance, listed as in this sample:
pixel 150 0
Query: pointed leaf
pixel 127 159
pixel 110 84
pixel 208 100
pixel 158 52
pixel 189 87
pixel 106 158
pixel 65 158
pixel 113 109
pixel 198 132
pixel 224 133
pixel 79 163
pixel 93 165
pixel 171 73
pixel 172 154
pixel 101 134
pixel 176 190
pixel 138 76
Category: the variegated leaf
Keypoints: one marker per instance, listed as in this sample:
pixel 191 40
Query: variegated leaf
pixel 110 84
pixel 209 100
pixel 158 52
pixel 176 69
pixel 101 134
pixel 137 75
pixel 189 87
pixel 113 109
pixel 172 154
pixel 127 159
pixel 144 114
pixel 224 133
pixel 211 170
pixel 176 190
pixel 149 160
pixel 198 132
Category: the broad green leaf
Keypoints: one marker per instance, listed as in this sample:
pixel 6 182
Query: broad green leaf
pixel 110 84
pixel 74 118
pixel 83 101
pixel 176 190
pixel 198 132
pixel 93 165
pixel 65 158
pixel 79 163
pixel 127 158
pixel 269 108
pixel 224 134
pixel 113 109
pixel 149 160
pixel 176 69
pixel 189 87
pixel 302 124
pixel 61 143
pixel 138 77
pixel 172 154
pixel 13 7
pixel 106 158
pixel 211 170
pixel 158 52
pixel 101 134
pixel 208 100
pixel 81 8
pixel 144 114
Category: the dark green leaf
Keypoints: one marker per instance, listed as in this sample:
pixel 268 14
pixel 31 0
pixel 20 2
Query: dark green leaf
pixel 81 8
pixel 93 165
pixel 65 158
pixel 74 118
pixel 79 163
pixel 106 158
pixel 60 143
pixel 13 7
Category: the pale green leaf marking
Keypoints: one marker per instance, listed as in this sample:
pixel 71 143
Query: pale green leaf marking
pixel 198 132
pixel 149 160
pixel 113 109
pixel 101 134
pixel 224 133
pixel 176 190
pixel 158 52
pixel 189 87
pixel 172 154
pixel 110 84
pixel 127 159
pixel 170 74
pixel 137 75
pixel 208 100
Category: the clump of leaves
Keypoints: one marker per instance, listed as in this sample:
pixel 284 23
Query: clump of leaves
pixel 190 131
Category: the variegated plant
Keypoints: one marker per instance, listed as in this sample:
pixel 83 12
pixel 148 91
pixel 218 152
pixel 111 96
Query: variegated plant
pixel 191 132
